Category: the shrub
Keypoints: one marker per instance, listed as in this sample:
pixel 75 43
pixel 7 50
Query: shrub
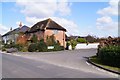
pixel 73 43
pixel 7 46
pixel 50 40
pixel 34 39
pixel 67 45
pixel 57 47
pixel 41 46
pixel 25 49
pixel 18 46
pixel 32 47
pixel 3 49
pixel 13 45
pixel 81 40
pixel 110 55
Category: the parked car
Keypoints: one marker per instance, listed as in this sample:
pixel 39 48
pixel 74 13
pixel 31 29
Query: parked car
pixel 12 50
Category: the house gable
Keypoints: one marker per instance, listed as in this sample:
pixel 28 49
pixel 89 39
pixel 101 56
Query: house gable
pixel 46 24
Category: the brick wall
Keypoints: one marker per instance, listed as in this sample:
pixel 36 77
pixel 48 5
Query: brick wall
pixel 59 35
pixel 22 39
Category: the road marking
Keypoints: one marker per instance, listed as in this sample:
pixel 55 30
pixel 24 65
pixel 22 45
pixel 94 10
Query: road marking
pixel 87 63
pixel 102 70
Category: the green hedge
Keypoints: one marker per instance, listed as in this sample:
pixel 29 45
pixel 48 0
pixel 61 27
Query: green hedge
pixel 110 55
pixel 81 40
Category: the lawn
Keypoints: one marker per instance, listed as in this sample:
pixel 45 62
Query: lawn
pixel 95 60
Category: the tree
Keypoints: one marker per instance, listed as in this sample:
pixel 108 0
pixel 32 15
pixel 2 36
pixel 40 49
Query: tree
pixel 50 40
pixel 81 40
pixel 41 46
pixel 90 39
pixel 34 39
pixel 73 43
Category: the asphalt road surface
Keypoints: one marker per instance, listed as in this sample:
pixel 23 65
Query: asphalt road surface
pixel 63 64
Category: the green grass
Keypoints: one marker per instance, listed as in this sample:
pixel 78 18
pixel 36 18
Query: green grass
pixel 98 62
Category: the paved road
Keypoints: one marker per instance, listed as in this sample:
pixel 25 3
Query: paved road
pixel 63 64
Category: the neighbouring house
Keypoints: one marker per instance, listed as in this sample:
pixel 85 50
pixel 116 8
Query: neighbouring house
pixel 74 37
pixel 0 37
pixel 1 41
pixel 12 35
pixel 46 28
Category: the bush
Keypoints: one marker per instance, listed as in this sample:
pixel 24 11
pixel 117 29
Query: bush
pixel 7 46
pixel 25 49
pixel 50 40
pixel 110 55
pixel 32 47
pixel 41 46
pixel 3 49
pixel 67 45
pixel 18 46
pixel 81 40
pixel 73 43
pixel 57 47
pixel 13 45
pixel 34 38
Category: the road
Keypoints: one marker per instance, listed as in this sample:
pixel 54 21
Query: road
pixel 63 64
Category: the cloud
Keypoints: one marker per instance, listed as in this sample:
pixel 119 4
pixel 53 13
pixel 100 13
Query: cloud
pixel 36 11
pixel 104 19
pixel 72 27
pixel 63 8
pixel 3 29
pixel 105 22
pixel 112 9
pixel 44 9
pixel 111 27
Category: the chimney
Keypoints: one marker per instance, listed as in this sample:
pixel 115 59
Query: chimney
pixel 11 29
pixel 20 25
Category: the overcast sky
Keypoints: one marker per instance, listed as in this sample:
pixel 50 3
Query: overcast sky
pixel 79 18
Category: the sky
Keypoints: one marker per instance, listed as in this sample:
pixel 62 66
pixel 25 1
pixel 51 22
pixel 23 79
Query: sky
pixel 80 18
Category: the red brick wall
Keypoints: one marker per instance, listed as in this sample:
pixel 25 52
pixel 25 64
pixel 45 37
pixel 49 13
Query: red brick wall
pixel 60 36
pixel 22 39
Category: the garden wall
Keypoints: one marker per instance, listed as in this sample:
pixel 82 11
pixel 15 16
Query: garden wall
pixel 85 46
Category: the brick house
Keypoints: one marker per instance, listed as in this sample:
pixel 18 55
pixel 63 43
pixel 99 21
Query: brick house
pixel 46 28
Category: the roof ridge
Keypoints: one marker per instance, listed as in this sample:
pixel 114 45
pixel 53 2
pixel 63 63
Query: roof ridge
pixel 48 22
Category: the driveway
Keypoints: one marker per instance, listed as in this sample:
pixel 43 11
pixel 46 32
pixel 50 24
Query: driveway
pixel 71 60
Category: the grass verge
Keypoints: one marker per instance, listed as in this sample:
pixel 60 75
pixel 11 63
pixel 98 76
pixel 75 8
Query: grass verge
pixel 95 60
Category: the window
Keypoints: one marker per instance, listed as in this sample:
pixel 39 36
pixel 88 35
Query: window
pixel 55 31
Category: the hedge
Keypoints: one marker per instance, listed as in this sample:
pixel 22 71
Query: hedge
pixel 110 55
